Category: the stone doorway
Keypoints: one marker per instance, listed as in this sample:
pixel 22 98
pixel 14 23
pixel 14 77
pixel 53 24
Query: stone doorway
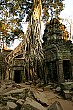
pixel 54 72
pixel 67 70
pixel 17 76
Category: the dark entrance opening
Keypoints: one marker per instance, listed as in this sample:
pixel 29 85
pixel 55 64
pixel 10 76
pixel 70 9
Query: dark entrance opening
pixel 26 74
pixel 67 69
pixel 17 76
pixel 53 72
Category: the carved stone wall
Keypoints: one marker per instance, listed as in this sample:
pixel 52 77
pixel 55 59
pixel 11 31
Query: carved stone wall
pixel 58 51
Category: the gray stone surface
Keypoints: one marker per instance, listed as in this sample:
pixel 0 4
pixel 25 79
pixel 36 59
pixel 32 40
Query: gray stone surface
pixel 20 102
pixel 55 106
pixel 41 97
pixel 11 105
pixel 35 104
pixel 67 85
pixel 58 89
pixel 4 108
pixel 16 91
pixel 28 107
pixel 29 97
pixel 67 94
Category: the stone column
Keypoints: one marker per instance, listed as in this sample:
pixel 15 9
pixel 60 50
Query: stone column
pixel 24 76
pixel 45 73
pixel 28 66
pixel 60 71
pixel 13 74
pixel 72 71
pixel 0 75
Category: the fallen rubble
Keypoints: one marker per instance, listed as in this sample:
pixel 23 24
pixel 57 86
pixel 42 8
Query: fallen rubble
pixel 30 101
pixel 55 106
pixel 26 96
pixel 67 90
pixel 17 97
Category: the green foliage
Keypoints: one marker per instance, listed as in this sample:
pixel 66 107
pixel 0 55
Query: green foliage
pixel 14 11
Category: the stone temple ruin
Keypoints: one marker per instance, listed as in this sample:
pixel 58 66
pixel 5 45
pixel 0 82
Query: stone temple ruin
pixel 58 52
pixel 25 62
pixel 50 61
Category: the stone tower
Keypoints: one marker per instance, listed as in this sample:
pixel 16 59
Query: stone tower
pixel 58 52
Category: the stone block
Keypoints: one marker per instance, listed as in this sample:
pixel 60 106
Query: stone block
pixel 47 88
pixel 58 89
pixel 20 102
pixel 67 94
pixel 41 97
pixel 11 98
pixel 16 91
pixel 28 107
pixel 34 104
pixel 4 108
pixel 55 106
pixel 11 105
pixel 67 85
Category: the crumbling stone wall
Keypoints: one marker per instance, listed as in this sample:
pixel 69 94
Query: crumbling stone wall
pixel 57 51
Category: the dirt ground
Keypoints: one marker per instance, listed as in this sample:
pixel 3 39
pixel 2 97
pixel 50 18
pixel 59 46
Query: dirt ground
pixel 66 104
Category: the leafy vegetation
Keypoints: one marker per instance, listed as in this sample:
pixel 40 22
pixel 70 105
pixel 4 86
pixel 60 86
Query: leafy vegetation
pixel 12 13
